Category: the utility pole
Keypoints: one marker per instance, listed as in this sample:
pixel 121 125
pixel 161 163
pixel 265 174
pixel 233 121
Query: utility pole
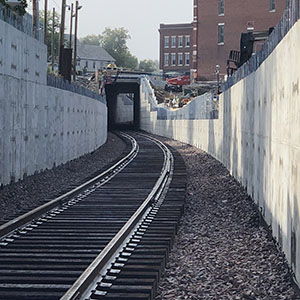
pixel 71 24
pixel 45 20
pixel 75 41
pixel 52 39
pixel 34 17
pixel 62 31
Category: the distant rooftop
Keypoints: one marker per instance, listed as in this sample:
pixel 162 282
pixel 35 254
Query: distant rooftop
pixel 175 26
pixel 93 52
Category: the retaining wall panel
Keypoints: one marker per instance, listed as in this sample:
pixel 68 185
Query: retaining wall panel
pixel 257 138
pixel 34 125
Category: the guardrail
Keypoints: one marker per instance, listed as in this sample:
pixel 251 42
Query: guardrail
pixel 289 18
pixel 22 23
pixel 62 84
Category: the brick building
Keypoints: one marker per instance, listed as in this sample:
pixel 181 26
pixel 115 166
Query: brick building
pixel 176 48
pixel 218 25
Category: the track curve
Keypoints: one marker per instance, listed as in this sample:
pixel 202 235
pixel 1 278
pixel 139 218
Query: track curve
pixel 43 258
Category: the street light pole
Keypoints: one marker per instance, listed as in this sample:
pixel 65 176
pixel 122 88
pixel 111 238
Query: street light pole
pixel 62 31
pixel 218 78
pixel 75 41
pixel 71 24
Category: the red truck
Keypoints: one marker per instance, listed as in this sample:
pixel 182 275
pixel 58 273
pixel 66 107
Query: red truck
pixel 175 84
pixel 182 80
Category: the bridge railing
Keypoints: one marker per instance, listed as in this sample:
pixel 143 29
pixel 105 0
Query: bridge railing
pixel 22 23
pixel 289 18
pixel 62 84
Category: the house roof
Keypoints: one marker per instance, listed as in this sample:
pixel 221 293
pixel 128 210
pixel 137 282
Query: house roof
pixel 93 52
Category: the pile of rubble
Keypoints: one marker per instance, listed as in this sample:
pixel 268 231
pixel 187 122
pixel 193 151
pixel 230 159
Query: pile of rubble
pixel 89 83
pixel 180 97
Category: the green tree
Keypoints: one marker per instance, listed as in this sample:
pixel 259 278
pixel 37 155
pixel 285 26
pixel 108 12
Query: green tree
pixel 114 41
pixel 148 65
pixel 91 39
pixel 49 32
pixel 20 9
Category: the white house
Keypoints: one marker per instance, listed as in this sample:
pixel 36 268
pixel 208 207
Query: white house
pixel 91 57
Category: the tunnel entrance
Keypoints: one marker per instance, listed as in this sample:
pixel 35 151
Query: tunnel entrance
pixel 113 93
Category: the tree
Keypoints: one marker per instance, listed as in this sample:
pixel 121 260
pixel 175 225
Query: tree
pixel 49 32
pixel 91 39
pixel 131 61
pixel 20 9
pixel 148 65
pixel 114 41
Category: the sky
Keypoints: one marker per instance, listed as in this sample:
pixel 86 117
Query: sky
pixel 140 17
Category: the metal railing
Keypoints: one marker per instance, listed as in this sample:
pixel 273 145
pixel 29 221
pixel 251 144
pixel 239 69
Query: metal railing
pixel 289 18
pixel 62 84
pixel 22 23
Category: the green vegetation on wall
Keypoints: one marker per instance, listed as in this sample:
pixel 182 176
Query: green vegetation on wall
pixel 20 9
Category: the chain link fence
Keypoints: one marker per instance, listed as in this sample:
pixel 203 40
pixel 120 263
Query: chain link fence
pixel 62 84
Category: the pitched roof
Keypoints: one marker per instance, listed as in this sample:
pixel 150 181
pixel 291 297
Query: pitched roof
pixel 93 52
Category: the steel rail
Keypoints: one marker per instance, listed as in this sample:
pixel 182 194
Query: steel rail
pixel 88 276
pixel 24 219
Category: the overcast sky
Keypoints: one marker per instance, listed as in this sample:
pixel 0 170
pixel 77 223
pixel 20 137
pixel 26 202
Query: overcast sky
pixel 140 17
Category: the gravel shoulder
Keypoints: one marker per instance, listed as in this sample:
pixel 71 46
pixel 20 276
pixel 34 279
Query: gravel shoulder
pixel 19 197
pixel 221 251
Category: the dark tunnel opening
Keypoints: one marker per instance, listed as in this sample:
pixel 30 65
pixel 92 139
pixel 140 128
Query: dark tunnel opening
pixel 112 91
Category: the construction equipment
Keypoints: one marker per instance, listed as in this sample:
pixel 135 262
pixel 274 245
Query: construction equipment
pixel 175 84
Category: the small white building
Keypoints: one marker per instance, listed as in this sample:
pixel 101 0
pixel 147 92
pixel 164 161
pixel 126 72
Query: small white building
pixel 92 57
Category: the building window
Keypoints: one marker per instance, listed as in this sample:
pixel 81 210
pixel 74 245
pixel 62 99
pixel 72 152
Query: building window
pixel 94 65
pixel 221 34
pixel 180 41
pixel 173 41
pixel 166 42
pixel 166 59
pixel 221 7
pixel 86 64
pixel 288 3
pixel 187 59
pixel 187 40
pixel 272 5
pixel 180 59
pixel 173 59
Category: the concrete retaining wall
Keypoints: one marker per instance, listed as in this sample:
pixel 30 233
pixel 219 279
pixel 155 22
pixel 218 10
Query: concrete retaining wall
pixel 40 126
pixel 256 137
pixel 22 56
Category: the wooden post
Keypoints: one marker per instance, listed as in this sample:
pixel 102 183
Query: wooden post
pixel 71 24
pixel 62 32
pixel 75 41
pixel 52 39
pixel 34 17
pixel 45 20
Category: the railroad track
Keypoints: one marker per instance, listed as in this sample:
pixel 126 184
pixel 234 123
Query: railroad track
pixel 107 239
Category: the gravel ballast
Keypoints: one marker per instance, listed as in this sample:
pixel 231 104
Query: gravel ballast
pixel 221 251
pixel 31 192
